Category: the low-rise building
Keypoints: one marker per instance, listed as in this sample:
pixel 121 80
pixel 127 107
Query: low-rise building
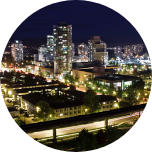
pixel 14 90
pixel 85 74
pixel 117 80
pixel 68 108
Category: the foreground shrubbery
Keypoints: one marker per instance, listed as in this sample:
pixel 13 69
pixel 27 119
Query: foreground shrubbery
pixel 88 141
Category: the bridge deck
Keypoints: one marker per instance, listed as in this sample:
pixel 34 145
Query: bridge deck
pixel 65 122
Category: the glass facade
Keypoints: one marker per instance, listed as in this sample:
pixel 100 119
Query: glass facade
pixel 17 50
pixel 96 45
pixel 62 48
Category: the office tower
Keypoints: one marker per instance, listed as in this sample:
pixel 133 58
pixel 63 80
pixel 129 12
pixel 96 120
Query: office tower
pixel 82 49
pixel 97 50
pixel 50 48
pixel 133 50
pixel 42 53
pixel 137 48
pixel 128 51
pixel 17 51
pixel 102 57
pixel 62 48
pixel 36 58
pixel 118 52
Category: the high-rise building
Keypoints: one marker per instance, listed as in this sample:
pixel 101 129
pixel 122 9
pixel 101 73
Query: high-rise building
pixel 50 48
pixel 42 53
pixel 82 49
pixel 17 50
pixel 133 50
pixel 128 51
pixel 102 57
pixel 97 50
pixel 137 48
pixel 36 58
pixel 118 52
pixel 62 48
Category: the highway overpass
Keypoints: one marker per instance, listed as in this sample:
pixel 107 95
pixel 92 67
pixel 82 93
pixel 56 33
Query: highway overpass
pixel 73 121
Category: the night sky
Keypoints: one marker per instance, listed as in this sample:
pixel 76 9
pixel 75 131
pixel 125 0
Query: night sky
pixel 87 19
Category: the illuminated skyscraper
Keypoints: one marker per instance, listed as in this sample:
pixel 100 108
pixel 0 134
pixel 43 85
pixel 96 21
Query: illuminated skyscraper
pixel 133 50
pixel 137 48
pixel 97 50
pixel 118 51
pixel 17 51
pixel 62 48
pixel 50 48
pixel 42 51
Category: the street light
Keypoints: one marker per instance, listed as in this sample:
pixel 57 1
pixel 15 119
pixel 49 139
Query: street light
pixel 37 109
pixel 116 105
pixel 9 93
pixel 86 110
pixel 114 92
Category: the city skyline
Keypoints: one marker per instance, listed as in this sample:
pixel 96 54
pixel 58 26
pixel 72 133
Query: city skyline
pixel 110 26
pixel 75 35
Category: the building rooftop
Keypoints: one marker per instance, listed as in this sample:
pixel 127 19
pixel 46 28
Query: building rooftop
pixel 92 70
pixel 66 104
pixel 24 85
pixel 10 109
pixel 76 65
pixel 39 88
pixel 88 70
pixel 114 77
pixel 33 98
pixel 110 70
pixel 104 98
pixel 4 81
pixel 62 24
pixel 113 66
pixel 76 93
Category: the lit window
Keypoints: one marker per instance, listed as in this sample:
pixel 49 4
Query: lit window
pixel 9 92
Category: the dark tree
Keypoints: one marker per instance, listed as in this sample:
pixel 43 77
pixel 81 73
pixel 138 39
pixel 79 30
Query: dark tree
pixel 19 121
pixel 111 90
pixel 101 138
pixel 91 101
pixel 85 141
pixel 124 104
pixel 43 110
pixel 29 79
pixel 112 133
pixel 139 85
pixel 119 92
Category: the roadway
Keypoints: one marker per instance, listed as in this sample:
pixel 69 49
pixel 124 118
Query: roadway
pixel 62 132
